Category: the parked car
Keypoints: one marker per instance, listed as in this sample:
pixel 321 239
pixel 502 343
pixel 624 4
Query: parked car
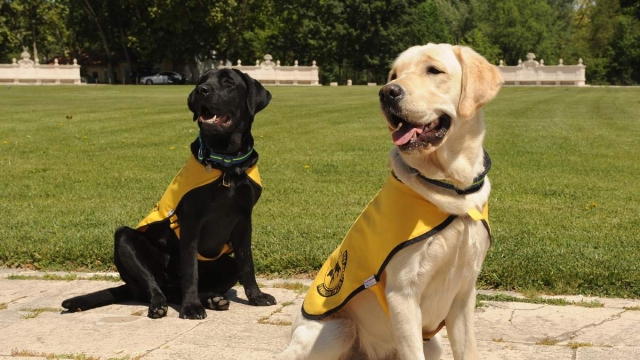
pixel 164 77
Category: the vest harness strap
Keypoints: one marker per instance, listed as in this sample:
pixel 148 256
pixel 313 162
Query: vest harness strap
pixel 192 175
pixel 396 218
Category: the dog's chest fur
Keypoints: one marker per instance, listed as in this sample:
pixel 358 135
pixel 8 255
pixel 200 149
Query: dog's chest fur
pixel 441 267
pixel 222 208
pixel 433 271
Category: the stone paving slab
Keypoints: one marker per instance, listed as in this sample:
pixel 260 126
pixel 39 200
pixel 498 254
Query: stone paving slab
pixel 489 350
pixel 596 353
pixel 623 332
pixel 504 330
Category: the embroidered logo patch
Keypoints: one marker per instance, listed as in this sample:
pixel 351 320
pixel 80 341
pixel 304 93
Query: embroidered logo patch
pixel 334 278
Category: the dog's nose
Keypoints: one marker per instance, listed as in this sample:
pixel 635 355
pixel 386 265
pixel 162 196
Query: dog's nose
pixel 204 89
pixel 391 92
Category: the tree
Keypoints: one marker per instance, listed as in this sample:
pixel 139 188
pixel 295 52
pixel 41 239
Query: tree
pixel 37 24
pixel 518 27
pixel 460 16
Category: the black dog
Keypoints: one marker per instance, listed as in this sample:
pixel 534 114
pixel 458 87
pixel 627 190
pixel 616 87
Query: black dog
pixel 182 251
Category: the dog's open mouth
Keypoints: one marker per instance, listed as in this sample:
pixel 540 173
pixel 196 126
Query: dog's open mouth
pixel 407 135
pixel 208 117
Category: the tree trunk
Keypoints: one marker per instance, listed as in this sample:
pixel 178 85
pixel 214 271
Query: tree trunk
pixel 34 15
pixel 123 40
pixel 237 29
pixel 195 72
pixel 87 7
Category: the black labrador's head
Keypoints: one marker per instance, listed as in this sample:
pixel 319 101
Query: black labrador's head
pixel 224 103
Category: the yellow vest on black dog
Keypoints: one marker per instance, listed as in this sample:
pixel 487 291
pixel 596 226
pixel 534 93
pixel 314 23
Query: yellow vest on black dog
pixel 396 217
pixel 192 175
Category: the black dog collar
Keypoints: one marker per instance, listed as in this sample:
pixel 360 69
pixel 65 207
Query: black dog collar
pixel 206 157
pixel 478 181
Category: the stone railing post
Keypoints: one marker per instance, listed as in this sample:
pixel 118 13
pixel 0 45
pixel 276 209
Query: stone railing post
pixel 580 73
pixel 36 67
pixel 315 68
pixel 56 68
pixel 75 65
pixel 15 66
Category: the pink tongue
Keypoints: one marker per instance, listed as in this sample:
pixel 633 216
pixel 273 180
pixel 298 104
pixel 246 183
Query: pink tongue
pixel 405 133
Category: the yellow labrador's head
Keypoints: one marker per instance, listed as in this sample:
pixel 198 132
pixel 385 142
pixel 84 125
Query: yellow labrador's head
pixel 431 89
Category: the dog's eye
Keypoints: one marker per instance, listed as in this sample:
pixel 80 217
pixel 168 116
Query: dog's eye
pixel 433 70
pixel 227 82
pixel 393 77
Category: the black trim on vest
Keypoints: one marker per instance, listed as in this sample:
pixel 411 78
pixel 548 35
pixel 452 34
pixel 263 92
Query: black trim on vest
pixel 399 247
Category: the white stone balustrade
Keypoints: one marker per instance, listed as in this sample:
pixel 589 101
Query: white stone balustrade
pixel 270 73
pixel 29 72
pixel 532 72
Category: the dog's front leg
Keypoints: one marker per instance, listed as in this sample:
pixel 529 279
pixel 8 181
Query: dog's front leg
pixel 459 323
pixel 191 306
pixel 406 321
pixel 241 241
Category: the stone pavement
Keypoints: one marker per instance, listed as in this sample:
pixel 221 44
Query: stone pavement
pixel 33 327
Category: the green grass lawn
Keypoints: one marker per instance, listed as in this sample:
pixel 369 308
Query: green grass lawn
pixel 77 162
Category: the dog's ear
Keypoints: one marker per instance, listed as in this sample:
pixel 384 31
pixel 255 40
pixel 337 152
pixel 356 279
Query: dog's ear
pixel 191 106
pixel 481 81
pixel 257 96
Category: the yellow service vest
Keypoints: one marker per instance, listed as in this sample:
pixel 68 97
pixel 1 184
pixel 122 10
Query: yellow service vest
pixel 396 217
pixel 192 175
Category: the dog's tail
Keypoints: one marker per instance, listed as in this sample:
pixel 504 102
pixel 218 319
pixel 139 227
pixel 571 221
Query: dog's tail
pixel 98 299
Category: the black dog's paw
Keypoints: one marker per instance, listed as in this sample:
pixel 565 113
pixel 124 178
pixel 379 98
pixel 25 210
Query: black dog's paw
pixel 218 303
pixel 261 299
pixel 72 305
pixel 193 311
pixel 158 309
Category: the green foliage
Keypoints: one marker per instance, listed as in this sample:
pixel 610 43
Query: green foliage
pixel 563 205
pixel 66 277
pixel 29 22
pixel 534 300
pixel 518 27
pixel 351 39
pixel 34 312
pixel 624 52
pixel 608 38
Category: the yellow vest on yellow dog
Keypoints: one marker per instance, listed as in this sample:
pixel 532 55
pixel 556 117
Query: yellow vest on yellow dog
pixel 396 217
pixel 192 175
